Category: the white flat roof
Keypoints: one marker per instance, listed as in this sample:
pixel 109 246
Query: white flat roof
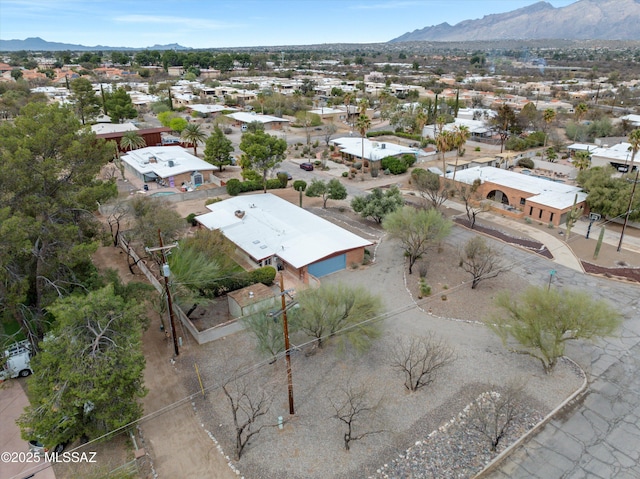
pixel 544 192
pixel 273 226
pixel 373 150
pixel 211 108
pixel 245 117
pixel 142 160
pixel 102 128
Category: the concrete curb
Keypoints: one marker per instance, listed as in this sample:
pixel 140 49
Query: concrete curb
pixel 500 458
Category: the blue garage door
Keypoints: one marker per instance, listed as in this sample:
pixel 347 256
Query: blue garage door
pixel 331 265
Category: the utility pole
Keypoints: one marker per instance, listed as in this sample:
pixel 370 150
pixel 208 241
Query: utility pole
pixel 166 273
pixel 626 216
pixel 287 351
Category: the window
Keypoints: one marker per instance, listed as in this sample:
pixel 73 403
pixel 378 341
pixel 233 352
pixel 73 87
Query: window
pixel 551 217
pixel 530 210
pixel 540 213
pixel 523 201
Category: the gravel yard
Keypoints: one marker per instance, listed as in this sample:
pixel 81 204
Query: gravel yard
pixel 310 444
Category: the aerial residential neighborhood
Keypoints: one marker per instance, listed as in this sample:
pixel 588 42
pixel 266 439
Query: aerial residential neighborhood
pixel 410 258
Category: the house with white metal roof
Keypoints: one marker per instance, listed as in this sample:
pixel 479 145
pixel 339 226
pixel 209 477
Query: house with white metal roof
pixel 268 230
pixel 168 165
pixel 543 199
pixel 358 148
pixel 269 122
pixel 618 156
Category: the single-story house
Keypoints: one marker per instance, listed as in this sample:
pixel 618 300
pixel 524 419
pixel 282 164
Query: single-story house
pixel 618 156
pixel 477 128
pixel 152 136
pixel 168 165
pixel 374 151
pixel 209 110
pixel 270 122
pixel 102 128
pixel 634 120
pixel 541 199
pixel 267 230
pixel 330 114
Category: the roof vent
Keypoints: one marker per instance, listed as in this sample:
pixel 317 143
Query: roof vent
pixel 171 163
pixel 239 214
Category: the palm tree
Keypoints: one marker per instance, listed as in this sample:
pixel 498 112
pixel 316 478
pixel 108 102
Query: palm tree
pixel 421 120
pixel 363 104
pixel 582 160
pixel 549 115
pixel 132 141
pixel 580 112
pixel 348 98
pixel 261 99
pixel 460 136
pixel 363 123
pixel 193 134
pixel 443 144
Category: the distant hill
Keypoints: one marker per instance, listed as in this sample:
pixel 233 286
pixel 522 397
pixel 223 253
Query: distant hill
pixel 39 45
pixel 582 20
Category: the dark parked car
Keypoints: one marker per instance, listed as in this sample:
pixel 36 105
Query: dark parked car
pixel 306 166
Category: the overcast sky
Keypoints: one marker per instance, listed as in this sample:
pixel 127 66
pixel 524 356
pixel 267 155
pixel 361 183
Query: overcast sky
pixel 223 23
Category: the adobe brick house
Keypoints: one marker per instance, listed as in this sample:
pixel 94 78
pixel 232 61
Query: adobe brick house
pixel 520 195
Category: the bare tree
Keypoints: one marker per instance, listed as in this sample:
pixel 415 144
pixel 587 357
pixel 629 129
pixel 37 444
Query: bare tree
pixel 473 203
pixel 248 406
pixel 356 411
pixel 481 260
pixel 115 219
pixel 328 131
pixel 420 359
pixel 493 412
pixel 428 185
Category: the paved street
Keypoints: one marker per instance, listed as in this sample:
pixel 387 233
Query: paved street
pixel 600 436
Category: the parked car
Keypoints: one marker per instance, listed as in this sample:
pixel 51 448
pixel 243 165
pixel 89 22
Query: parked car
pixel 306 166
pixel 289 177
pixel 39 449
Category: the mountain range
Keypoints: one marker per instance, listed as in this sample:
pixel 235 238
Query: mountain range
pixel 37 44
pixel 582 20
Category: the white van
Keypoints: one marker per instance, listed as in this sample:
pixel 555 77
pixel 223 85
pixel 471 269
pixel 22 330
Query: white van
pixel 17 361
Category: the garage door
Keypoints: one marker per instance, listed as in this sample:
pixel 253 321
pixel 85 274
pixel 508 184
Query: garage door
pixel 328 266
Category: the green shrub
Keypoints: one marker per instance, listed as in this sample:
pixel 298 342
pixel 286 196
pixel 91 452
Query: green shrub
pixel 283 178
pixel 251 175
pixel 409 160
pixel 345 174
pixel 264 275
pixel 299 185
pixel 234 187
pixel 526 163
pixel 395 165
pixel 191 219
pixel 211 201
